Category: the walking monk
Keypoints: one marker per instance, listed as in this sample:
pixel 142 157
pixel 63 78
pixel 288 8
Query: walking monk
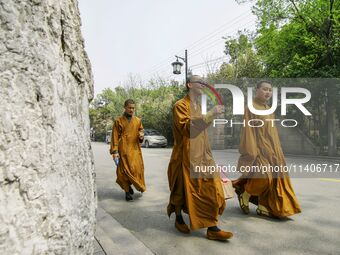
pixel 202 198
pixel 260 146
pixel 127 134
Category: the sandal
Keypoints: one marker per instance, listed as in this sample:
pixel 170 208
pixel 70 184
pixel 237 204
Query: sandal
pixel 265 214
pixel 239 189
pixel 244 207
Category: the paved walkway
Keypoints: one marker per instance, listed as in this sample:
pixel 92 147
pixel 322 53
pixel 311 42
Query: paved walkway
pixel 142 226
pixel 112 238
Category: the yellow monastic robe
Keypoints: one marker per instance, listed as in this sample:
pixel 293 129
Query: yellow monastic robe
pixel 261 146
pixel 125 140
pixel 202 198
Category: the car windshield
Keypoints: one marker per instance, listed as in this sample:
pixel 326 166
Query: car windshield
pixel 153 132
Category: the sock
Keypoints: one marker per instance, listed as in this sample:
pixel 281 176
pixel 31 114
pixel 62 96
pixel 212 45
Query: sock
pixel 214 228
pixel 179 219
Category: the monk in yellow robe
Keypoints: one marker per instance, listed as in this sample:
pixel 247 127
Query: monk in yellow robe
pixel 127 134
pixel 260 146
pixel 201 196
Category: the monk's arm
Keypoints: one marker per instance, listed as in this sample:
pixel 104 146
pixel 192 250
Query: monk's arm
pixel 141 132
pixel 114 138
pixel 190 126
pixel 182 119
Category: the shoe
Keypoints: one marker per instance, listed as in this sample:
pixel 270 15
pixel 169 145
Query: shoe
pixel 239 189
pixel 183 228
pixel 219 235
pixel 266 214
pixel 131 190
pixel 128 197
pixel 244 207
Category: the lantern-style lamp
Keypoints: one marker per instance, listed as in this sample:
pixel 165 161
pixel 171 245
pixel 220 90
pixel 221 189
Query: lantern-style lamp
pixel 177 67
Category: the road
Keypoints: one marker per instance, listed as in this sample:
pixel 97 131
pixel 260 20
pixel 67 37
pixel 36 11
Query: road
pixel 315 231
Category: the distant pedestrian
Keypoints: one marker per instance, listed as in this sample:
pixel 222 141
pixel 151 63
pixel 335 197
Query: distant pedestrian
pixel 127 134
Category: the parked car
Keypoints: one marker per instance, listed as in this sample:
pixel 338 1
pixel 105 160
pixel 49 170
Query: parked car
pixel 152 138
pixel 108 136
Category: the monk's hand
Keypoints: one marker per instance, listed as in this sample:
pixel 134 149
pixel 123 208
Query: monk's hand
pixel 218 109
pixel 141 135
pixel 115 156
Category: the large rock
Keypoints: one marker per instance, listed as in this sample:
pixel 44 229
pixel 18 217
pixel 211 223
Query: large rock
pixel 47 189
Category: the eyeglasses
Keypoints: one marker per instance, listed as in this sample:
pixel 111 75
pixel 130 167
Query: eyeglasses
pixel 200 82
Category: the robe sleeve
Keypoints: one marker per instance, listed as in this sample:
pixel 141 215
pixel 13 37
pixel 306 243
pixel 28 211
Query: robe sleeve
pixel 188 126
pixel 182 119
pixel 115 137
pixel 248 143
pixel 140 128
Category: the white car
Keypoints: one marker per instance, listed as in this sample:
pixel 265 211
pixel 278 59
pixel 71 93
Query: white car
pixel 108 136
pixel 152 138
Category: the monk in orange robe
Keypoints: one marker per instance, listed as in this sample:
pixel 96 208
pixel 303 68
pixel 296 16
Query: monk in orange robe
pixel 201 196
pixel 127 134
pixel 260 146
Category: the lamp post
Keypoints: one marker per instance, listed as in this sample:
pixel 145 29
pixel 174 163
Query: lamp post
pixel 177 65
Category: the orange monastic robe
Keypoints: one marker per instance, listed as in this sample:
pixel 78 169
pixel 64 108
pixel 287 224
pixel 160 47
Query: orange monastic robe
pixel 202 198
pixel 261 146
pixel 125 140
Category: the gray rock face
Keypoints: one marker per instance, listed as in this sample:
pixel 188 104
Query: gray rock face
pixel 47 189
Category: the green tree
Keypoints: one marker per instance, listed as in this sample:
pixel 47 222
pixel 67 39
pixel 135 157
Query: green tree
pixel 301 39
pixel 154 102
pixel 243 60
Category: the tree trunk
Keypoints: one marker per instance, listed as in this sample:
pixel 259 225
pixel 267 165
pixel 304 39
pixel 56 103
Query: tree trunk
pixel 331 124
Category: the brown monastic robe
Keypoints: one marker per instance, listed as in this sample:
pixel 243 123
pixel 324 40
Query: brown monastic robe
pixel 125 140
pixel 202 198
pixel 261 146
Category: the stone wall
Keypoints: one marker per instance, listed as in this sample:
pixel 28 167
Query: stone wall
pixel 47 189
pixel 294 141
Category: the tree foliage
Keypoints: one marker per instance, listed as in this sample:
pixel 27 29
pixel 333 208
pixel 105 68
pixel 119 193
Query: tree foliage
pixel 294 39
pixel 154 104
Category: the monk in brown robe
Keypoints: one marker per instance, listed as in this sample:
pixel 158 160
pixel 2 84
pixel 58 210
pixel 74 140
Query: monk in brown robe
pixel 260 146
pixel 127 134
pixel 201 197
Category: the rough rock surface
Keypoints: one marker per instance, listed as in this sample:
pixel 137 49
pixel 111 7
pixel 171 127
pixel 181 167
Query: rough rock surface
pixel 47 189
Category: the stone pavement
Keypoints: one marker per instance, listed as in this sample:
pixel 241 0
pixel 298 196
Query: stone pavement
pixel 98 249
pixel 112 238
pixel 143 224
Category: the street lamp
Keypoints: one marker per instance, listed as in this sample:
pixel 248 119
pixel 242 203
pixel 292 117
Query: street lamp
pixel 177 66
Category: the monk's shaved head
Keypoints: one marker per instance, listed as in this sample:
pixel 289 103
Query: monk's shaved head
pixel 196 79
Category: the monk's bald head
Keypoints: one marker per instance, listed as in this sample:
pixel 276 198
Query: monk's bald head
pixel 195 79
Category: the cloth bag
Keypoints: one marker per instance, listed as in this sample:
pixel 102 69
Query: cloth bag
pixel 227 186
